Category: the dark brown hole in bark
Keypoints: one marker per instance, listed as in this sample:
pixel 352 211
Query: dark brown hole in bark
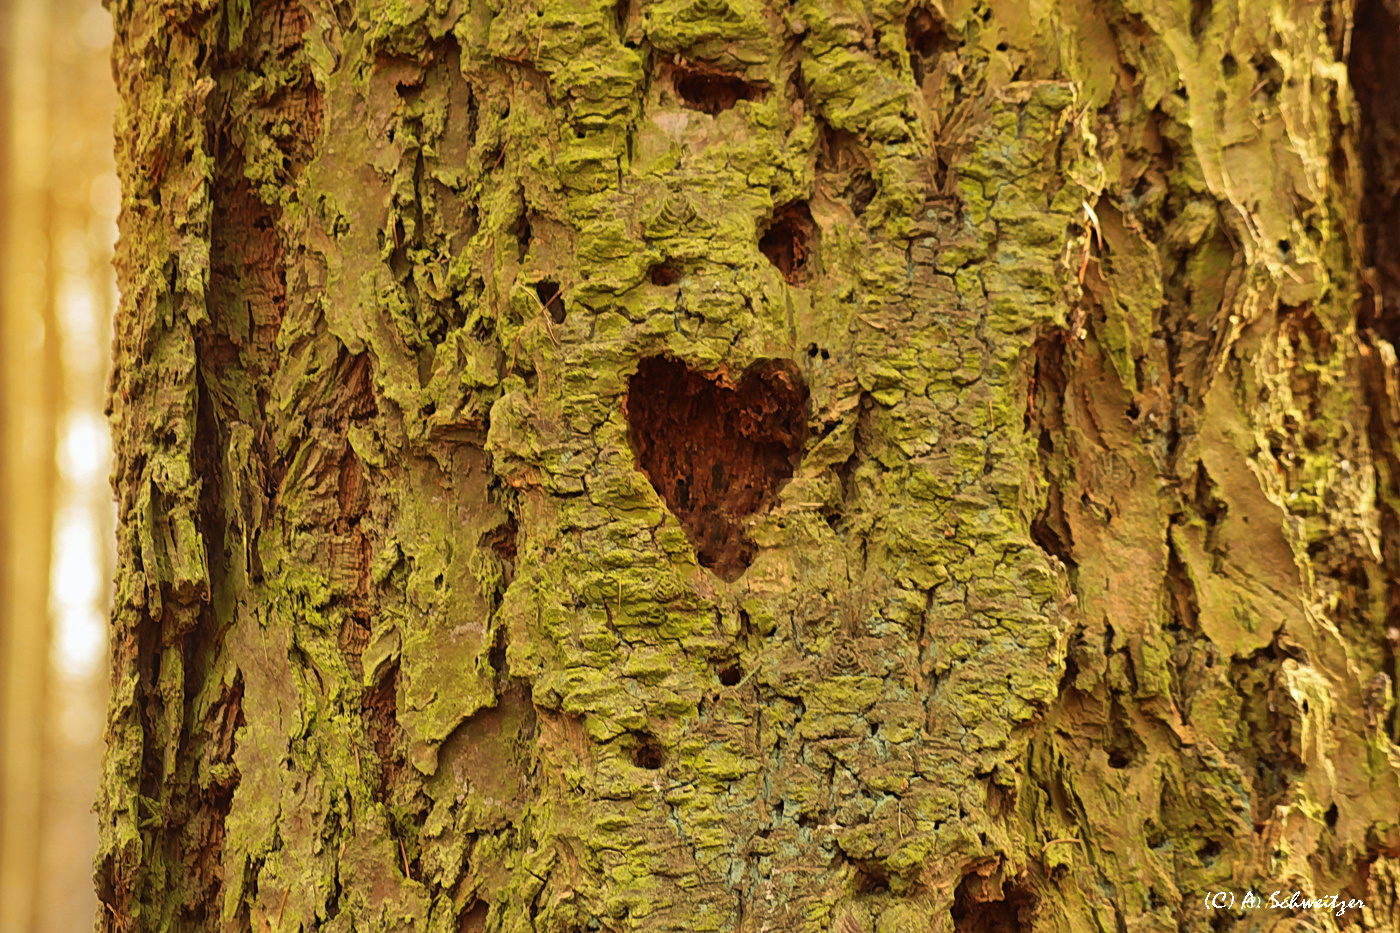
pixel 1071 674
pixel 1375 47
pixel 862 191
pixel 1050 530
pixel 1124 747
pixel 502 539
pixel 999 799
pixel 379 709
pixel 551 299
pixel 717 451
pixel 731 675
pixel 664 273
pixel 1331 816
pixel 473 919
pixel 786 241
pixel 1200 17
pixel 648 754
pixel 871 878
pixel 1208 852
pixel 976 909
pixel 354 638
pixel 711 91
pixel 1270 76
pixel 496 657
pixel 352 492
pixel 925 37
pixel 409 81
pixel 1045 391
pixel 844 168
pixel 524 234
pixel 358 379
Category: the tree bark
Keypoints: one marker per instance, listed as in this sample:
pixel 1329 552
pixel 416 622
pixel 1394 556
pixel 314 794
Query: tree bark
pixel 706 465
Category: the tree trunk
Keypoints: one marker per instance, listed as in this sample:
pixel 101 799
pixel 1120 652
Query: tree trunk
pixel 30 384
pixel 698 465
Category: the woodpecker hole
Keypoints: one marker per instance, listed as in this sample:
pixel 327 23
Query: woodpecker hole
pixel 716 450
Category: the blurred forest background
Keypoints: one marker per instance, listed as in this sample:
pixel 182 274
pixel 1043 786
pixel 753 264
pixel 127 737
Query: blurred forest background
pixel 59 200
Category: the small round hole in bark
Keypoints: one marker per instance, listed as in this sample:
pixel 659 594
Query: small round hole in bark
pixel 551 299
pixel 731 675
pixel 717 450
pixel 787 241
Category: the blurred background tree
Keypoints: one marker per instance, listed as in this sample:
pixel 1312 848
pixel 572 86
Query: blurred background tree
pixel 58 204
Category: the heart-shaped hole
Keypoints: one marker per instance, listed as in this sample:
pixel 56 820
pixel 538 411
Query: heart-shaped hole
pixel 717 451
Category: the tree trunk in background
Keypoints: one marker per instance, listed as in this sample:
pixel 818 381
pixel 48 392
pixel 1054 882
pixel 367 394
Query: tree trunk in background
pixel 29 393
pixel 699 465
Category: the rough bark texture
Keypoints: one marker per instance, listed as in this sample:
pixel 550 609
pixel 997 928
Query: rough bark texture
pixel 705 465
